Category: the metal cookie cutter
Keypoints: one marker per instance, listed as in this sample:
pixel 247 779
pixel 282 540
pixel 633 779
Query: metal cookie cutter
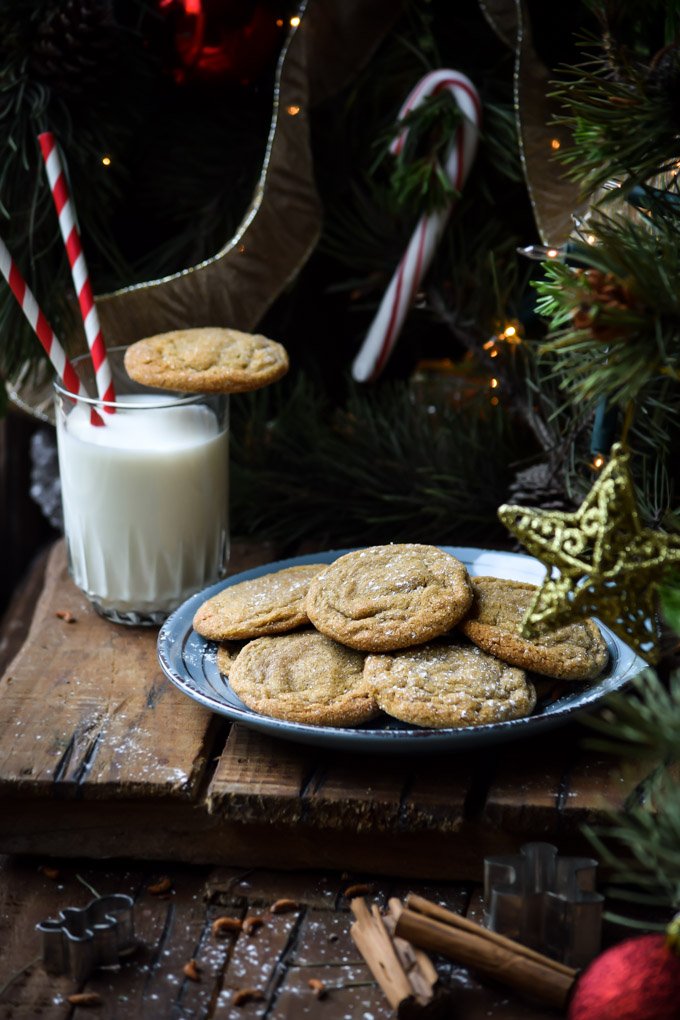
pixel 88 937
pixel 546 901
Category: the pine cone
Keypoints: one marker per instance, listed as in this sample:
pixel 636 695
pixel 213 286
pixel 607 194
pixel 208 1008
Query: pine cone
pixel 538 486
pixel 73 44
pixel 604 293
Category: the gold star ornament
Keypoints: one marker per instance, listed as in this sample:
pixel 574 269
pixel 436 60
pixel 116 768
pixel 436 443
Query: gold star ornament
pixel 608 564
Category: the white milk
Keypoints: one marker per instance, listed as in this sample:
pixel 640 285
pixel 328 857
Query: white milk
pixel 145 503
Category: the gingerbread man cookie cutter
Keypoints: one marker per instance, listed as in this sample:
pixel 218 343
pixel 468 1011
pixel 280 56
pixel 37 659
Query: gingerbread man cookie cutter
pixel 82 939
pixel 546 901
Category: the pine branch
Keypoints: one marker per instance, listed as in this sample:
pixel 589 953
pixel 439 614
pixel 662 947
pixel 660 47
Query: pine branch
pixel 624 118
pixel 396 470
pixel 641 844
pixel 615 336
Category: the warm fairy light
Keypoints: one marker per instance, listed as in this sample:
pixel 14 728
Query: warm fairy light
pixel 598 462
pixel 555 144
pixel 510 334
pixel 279 22
pixel 495 401
pixel 293 110
pixel 539 252
pixel 489 345
pixel 591 239
pixel 493 353
pixel 106 160
pixel 294 21
pixel 494 384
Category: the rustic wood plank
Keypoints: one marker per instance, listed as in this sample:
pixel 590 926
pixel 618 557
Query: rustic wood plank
pixel 597 783
pixel 115 726
pixel 369 791
pixel 437 793
pixel 281 957
pixel 259 777
pixel 177 830
pixel 257 962
pixel 101 720
pixel 231 887
pixel 357 792
pixel 350 991
pixel 528 782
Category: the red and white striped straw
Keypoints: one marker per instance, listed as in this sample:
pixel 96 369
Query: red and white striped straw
pixel 76 258
pixel 42 329
pixel 399 296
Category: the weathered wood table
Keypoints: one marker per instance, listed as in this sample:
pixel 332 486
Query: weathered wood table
pixel 101 757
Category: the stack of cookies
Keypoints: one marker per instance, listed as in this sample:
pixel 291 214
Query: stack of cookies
pixel 400 629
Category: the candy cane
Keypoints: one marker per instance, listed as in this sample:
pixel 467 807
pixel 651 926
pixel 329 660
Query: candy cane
pixel 79 274
pixel 389 319
pixel 42 329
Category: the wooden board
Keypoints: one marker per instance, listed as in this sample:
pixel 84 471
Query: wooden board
pixel 100 755
pixel 312 941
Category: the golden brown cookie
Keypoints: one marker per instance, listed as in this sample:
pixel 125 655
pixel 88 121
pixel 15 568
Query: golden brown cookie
pixel 304 678
pixel 575 652
pixel 271 604
pixel 448 683
pixel 389 596
pixel 206 360
pixel 226 656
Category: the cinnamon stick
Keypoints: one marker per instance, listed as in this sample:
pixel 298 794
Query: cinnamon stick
pixel 375 945
pixel 418 966
pixel 537 978
pixel 439 913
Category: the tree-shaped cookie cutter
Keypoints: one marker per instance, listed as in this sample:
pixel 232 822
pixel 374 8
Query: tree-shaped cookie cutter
pixel 81 939
pixel 545 901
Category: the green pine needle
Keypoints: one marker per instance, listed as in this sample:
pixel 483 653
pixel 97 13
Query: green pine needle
pixel 641 844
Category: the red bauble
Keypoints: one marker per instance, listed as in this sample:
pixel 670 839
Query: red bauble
pixel 223 40
pixel 637 980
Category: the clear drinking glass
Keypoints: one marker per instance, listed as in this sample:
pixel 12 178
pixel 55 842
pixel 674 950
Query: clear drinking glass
pixel 145 495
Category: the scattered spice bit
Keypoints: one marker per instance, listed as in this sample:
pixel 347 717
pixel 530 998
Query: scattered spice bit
pixel 358 889
pixel 49 872
pixel 283 906
pixel 163 885
pixel 192 970
pixel 318 987
pixel 225 925
pixel 251 924
pixel 84 999
pixel 245 995
pixel 66 615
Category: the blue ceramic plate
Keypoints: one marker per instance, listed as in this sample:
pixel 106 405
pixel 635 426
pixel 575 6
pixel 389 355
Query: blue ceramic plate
pixel 189 661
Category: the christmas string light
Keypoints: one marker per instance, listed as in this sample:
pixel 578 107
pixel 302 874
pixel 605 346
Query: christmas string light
pixel 543 252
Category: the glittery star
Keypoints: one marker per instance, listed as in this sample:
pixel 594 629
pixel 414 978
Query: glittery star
pixel 609 565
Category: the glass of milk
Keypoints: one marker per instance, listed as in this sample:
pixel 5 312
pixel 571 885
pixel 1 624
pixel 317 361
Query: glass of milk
pixel 145 495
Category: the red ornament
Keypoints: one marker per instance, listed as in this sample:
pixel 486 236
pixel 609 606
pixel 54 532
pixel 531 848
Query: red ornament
pixel 636 980
pixel 223 40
